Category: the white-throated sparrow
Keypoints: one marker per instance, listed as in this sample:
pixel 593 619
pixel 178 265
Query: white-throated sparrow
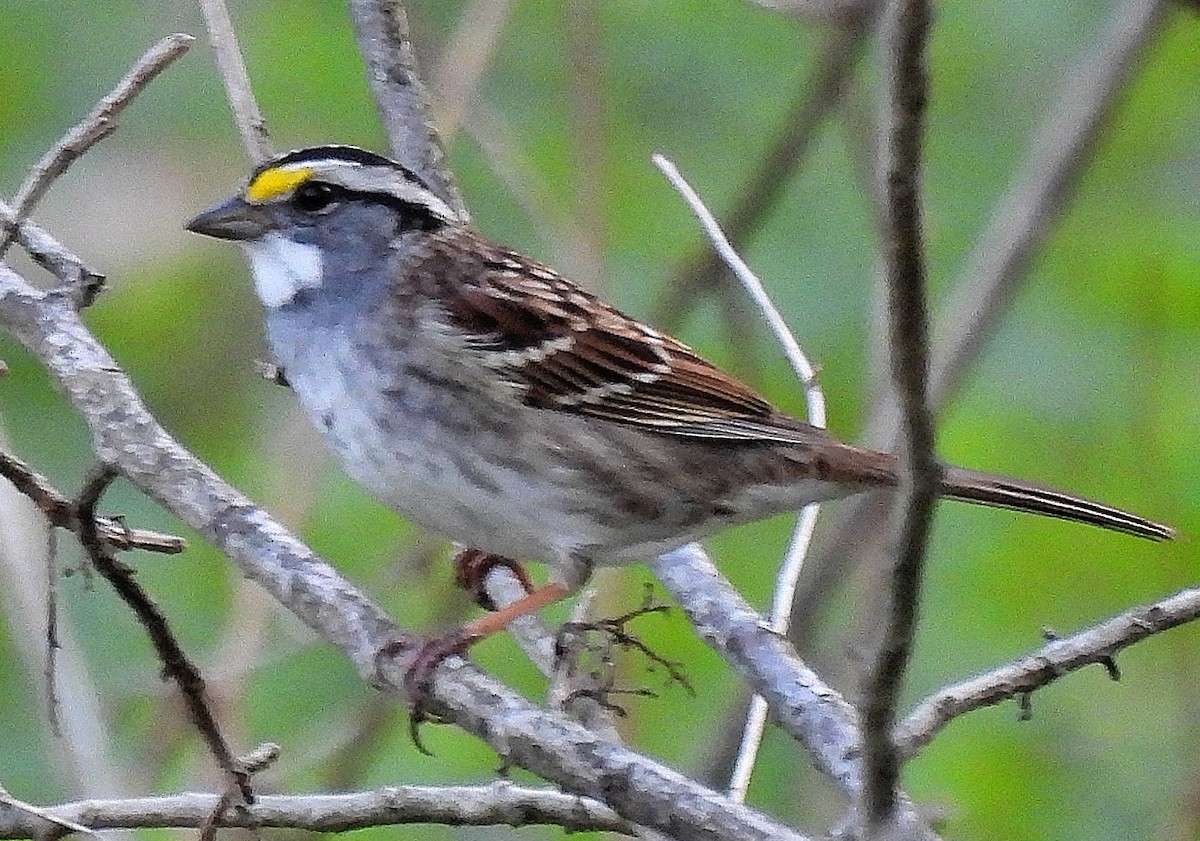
pixel 482 395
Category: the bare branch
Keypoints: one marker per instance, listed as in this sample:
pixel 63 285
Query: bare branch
pixel 1056 659
pixel 1027 214
pixel 97 125
pixel 789 572
pixel 62 512
pixel 8 803
pixel 381 27
pixel 906 31
pixel 232 67
pixel 803 704
pixel 176 664
pixel 499 803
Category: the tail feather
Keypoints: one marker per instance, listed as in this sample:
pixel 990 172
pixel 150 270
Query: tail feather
pixel 1001 492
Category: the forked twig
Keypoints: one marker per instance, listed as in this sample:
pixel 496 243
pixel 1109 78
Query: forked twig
pixel 618 636
pixel 82 283
pixel 63 513
pixel 176 664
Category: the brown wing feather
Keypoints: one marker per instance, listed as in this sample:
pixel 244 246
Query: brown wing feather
pixel 574 353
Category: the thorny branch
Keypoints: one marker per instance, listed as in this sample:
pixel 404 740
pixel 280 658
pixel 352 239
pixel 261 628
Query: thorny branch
pixel 1056 659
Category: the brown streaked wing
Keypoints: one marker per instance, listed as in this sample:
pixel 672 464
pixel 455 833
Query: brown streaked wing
pixel 575 353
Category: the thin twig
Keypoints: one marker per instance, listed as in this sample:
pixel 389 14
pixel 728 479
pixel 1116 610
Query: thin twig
pixel 1059 657
pixel 791 348
pixel 53 644
pixel 381 28
pixel 464 62
pixel 97 125
pixel 232 67
pixel 906 83
pixel 789 572
pixel 176 664
pixel 588 136
pixel 785 592
pixel 62 513
pixel 82 758
pixel 509 162
pixel 817 95
pixel 7 800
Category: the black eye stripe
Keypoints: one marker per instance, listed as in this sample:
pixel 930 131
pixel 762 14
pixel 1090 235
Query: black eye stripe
pixel 314 196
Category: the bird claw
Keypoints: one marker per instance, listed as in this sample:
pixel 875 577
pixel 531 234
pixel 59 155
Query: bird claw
pixel 418 677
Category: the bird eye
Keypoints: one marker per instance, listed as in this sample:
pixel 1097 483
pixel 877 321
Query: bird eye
pixel 313 196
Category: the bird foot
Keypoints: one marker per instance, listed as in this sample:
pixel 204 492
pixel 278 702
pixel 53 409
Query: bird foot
pixel 471 568
pixel 418 677
pixel 577 638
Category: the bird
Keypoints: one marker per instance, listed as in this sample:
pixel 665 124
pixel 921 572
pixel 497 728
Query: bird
pixel 484 396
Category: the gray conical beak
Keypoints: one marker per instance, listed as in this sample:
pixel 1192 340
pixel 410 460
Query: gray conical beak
pixel 234 219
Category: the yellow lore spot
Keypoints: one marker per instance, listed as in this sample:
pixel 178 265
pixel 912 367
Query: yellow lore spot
pixel 274 182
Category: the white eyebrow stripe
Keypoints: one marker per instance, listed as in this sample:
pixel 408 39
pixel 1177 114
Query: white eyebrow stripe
pixel 369 178
pixel 321 163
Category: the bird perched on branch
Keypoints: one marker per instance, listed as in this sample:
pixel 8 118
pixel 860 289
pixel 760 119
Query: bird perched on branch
pixel 484 396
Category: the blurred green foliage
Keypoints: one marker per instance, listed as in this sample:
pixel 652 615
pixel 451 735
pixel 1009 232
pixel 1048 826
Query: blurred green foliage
pixel 1090 384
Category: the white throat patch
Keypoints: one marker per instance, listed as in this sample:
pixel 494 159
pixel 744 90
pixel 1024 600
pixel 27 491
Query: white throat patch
pixel 282 267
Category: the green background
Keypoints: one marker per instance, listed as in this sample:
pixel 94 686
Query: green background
pixel 1089 384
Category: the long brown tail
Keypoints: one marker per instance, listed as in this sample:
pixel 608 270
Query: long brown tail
pixel 1002 492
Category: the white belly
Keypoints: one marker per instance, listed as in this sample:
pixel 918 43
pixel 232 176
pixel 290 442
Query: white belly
pixel 400 448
